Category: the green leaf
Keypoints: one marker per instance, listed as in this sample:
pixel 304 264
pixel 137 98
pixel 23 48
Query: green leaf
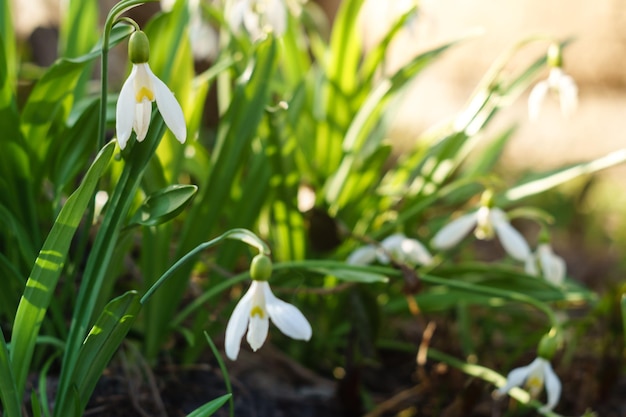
pixel 369 115
pixel 163 205
pixel 77 34
pixel 623 309
pixel 47 269
pixel 101 343
pixel 489 156
pixel 340 270
pixel 559 176
pixel 11 400
pixel 211 407
pixel 70 150
pixel 9 63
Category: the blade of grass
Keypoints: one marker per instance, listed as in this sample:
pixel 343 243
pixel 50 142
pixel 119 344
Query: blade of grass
pixel 220 362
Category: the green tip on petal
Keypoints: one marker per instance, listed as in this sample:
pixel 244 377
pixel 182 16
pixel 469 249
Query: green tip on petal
pixel 486 199
pixel 544 236
pixel 261 268
pixel 548 345
pixel 555 56
pixel 138 48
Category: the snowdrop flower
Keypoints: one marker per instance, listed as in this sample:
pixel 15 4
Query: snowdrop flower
pixel 258 17
pixel 535 376
pixel 400 247
pixel 486 222
pixel 134 105
pixel 202 36
pixel 558 82
pixel 255 309
pixel 544 262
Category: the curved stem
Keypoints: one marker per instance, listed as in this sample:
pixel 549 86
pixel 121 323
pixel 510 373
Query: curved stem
pixel 242 235
pixel 479 289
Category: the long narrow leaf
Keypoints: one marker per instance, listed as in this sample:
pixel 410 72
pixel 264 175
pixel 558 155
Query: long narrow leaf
pixel 11 400
pixel 552 179
pixel 47 269
pixel 211 407
pixel 101 343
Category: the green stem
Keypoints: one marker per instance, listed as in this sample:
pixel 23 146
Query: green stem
pixel 496 292
pixel 103 248
pixel 243 235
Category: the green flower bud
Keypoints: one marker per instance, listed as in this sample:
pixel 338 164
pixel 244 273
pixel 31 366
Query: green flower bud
pixel 486 199
pixel 555 56
pixel 138 48
pixel 548 345
pixel 261 268
pixel 544 236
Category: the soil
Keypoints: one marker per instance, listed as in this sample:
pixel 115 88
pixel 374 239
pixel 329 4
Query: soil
pixel 269 384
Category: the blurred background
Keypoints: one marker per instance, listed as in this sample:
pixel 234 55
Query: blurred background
pixel 595 58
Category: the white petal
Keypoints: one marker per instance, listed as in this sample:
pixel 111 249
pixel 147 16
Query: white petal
pixel 415 253
pixel 252 23
pixel 552 265
pixel 234 12
pixel 237 325
pixel 257 331
pixel 530 267
pixel 276 15
pixel 287 317
pixel 453 232
pixel 535 99
pixel 517 376
pixel 568 95
pixel 125 110
pixel 512 241
pixel 364 255
pixel 203 38
pixel 170 109
pixel 553 385
pixel 143 113
pixel 393 245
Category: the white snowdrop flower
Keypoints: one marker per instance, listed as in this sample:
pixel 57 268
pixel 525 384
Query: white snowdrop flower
pixel 534 377
pixel 486 222
pixel 258 17
pixel 544 262
pixel 401 248
pixel 364 255
pixel 405 250
pixel 141 88
pixel 255 309
pixel 202 36
pixel 558 82
pixel 253 313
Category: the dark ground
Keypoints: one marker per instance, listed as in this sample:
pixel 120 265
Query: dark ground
pixel 269 384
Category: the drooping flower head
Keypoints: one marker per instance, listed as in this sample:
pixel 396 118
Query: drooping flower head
pixel 535 376
pixel 255 309
pixel 257 17
pixel 545 263
pixel 538 374
pixel 400 247
pixel 488 221
pixel 558 82
pixel 141 88
pixel 203 37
